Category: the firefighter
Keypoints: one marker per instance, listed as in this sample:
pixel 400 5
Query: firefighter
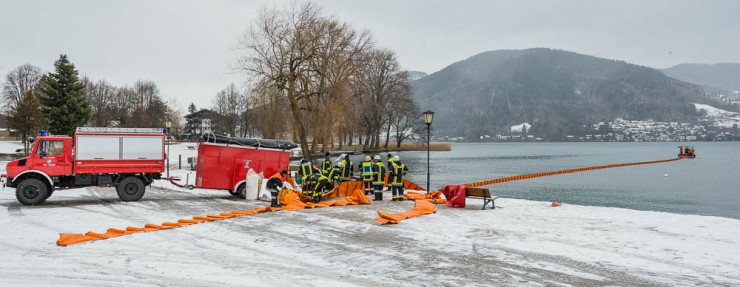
pixel 335 172
pixel 326 165
pixel 316 185
pixel 347 169
pixel 396 171
pixel 366 170
pixel 378 177
pixel 305 169
pixel 275 185
pixel 390 164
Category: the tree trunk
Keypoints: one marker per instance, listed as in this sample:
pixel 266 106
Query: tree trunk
pixel 295 110
pixel 387 136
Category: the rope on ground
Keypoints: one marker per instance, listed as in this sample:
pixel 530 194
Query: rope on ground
pixel 291 200
pixel 572 170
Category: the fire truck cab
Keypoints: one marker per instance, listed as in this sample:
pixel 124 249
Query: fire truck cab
pixel 126 158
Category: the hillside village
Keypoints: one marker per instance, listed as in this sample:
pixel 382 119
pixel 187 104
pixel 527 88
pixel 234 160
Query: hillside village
pixel 714 125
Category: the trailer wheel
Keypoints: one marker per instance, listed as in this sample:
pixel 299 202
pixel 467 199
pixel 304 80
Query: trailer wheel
pixel 32 191
pixel 130 188
pixel 241 191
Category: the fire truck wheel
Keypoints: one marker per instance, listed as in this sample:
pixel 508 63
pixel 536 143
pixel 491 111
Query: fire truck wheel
pixel 130 188
pixel 232 192
pixel 241 191
pixel 31 191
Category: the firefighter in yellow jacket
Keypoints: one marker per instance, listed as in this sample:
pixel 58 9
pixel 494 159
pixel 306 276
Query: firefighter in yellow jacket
pixel 378 178
pixel 347 169
pixel 366 171
pixel 396 171
pixel 335 172
pixel 316 186
pixel 326 165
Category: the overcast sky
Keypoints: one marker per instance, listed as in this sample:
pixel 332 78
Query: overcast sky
pixel 188 48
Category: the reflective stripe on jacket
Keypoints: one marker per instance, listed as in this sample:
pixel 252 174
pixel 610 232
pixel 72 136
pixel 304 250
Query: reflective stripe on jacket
pixel 397 171
pixel 367 171
pixel 378 173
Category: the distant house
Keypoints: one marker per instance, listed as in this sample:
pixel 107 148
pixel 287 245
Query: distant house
pixel 4 132
pixel 199 122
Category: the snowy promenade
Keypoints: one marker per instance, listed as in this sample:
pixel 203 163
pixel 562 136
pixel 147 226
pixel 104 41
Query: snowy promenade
pixel 521 243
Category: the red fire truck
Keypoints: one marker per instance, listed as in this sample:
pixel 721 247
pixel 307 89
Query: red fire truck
pixel 126 158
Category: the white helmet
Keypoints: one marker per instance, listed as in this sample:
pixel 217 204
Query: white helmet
pixel 396 158
pixel 340 164
pixel 377 157
pixel 367 158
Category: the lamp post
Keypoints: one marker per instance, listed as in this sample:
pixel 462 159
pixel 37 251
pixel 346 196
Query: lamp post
pixel 168 125
pixel 428 116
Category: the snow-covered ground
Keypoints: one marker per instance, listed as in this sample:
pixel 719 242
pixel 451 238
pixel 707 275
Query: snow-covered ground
pixel 712 111
pixel 519 243
pixel 720 117
pixel 520 127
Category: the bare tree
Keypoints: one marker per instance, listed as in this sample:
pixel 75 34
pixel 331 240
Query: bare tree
pixel 407 120
pixel 27 118
pixel 100 95
pixel 18 83
pixel 231 104
pixel 282 43
pixel 381 87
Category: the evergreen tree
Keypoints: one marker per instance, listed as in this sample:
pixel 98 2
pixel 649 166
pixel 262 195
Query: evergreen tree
pixel 63 100
pixel 191 108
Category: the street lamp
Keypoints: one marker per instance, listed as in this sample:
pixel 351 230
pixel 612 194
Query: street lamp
pixel 168 125
pixel 428 116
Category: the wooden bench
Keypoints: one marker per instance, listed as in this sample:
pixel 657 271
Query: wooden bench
pixel 484 193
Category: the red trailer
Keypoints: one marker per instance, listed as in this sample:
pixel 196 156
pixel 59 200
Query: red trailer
pixel 223 162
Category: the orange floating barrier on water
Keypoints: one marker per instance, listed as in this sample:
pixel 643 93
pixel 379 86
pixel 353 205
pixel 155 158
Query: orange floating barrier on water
pixel 564 171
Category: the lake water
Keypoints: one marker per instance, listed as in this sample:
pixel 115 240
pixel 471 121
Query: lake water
pixel 706 185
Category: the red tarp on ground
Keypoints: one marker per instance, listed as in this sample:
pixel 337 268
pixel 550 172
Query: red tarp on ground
pixel 455 194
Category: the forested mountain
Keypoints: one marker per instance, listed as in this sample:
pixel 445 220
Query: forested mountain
pixel 556 91
pixel 724 75
pixel 416 75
